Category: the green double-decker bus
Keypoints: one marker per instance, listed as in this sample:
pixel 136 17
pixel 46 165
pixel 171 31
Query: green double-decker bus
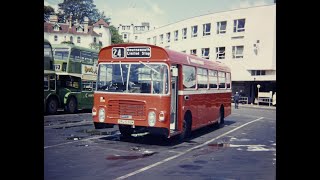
pixel 72 84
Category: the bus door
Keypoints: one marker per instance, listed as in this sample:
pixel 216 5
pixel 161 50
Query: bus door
pixel 174 97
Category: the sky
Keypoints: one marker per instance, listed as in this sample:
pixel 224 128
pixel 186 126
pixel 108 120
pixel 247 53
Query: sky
pixel 162 12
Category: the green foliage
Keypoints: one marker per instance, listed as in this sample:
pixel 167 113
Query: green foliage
pixel 95 46
pixel 48 10
pixel 115 37
pixel 80 9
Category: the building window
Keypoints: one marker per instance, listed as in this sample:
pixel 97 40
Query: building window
pixel 193 51
pixel 55 38
pixel 205 53
pixel 239 25
pixel 161 39
pixel 154 40
pixel 94 39
pixel 78 40
pixel 100 43
pixel 123 28
pixel 220 51
pixel 184 51
pixel 184 33
pixel 221 27
pixel 194 31
pixel 128 27
pixel 168 37
pixel 206 29
pixel 202 78
pixel 135 37
pixel 125 36
pixel 71 39
pixel 258 72
pixel 237 52
pixel 101 26
pixel 56 28
pixel 79 29
pixel 148 40
pixel 176 35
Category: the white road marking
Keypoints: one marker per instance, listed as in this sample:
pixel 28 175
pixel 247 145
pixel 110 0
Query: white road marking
pixel 97 137
pixel 182 153
pixel 252 116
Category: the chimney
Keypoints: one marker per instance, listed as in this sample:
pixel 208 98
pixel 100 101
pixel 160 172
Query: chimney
pixel 53 18
pixel 85 24
pixel 70 20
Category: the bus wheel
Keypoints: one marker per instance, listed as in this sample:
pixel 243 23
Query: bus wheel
pixel 186 128
pixel 125 130
pixel 221 118
pixel 72 105
pixel 52 106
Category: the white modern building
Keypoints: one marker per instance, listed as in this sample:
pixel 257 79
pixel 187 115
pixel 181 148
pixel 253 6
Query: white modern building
pixel 80 34
pixel 132 33
pixel 244 39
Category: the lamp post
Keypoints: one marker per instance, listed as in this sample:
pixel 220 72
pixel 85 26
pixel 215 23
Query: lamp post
pixel 258 86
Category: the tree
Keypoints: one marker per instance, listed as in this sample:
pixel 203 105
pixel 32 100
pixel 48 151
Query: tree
pixel 80 9
pixel 115 37
pixel 47 11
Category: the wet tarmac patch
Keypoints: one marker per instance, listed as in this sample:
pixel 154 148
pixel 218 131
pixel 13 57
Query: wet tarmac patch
pixel 66 127
pixel 75 138
pixel 190 167
pixel 200 162
pixel 131 157
pixel 93 132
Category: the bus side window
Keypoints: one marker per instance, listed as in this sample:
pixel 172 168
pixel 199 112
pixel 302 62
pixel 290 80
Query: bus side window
pixel 145 88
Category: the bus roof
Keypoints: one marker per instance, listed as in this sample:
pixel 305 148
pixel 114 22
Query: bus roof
pixel 159 54
pixel 73 46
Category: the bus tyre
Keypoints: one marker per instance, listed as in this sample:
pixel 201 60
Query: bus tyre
pixel 72 105
pixel 125 130
pixel 221 118
pixel 52 106
pixel 186 130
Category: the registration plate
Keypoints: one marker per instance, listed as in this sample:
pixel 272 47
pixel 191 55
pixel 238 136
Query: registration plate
pixel 123 121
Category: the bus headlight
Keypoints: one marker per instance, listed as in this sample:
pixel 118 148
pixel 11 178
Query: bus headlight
pixel 102 114
pixel 152 118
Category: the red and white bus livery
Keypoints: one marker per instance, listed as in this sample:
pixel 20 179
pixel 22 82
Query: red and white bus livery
pixel 146 88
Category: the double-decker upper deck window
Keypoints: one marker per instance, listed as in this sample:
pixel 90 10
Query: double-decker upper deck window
pixel 206 29
pixel 184 33
pixel 221 27
pixel 189 77
pixel 222 80
pixel 220 51
pixel 176 35
pixel 61 53
pixel 237 52
pixel 205 53
pixel 194 31
pixel 228 80
pixel 202 77
pixel 213 79
pixel 168 37
pixel 239 25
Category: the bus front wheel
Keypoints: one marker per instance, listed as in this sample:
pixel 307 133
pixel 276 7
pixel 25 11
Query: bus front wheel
pixel 125 130
pixel 72 105
pixel 52 106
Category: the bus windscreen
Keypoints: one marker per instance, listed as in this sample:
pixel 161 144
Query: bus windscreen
pixel 151 78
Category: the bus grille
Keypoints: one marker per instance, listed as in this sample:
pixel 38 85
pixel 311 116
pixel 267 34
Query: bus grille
pixel 121 107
